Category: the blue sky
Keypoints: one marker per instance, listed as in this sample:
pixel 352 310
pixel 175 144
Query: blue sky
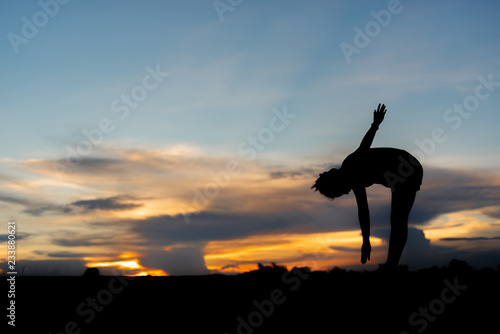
pixel 226 81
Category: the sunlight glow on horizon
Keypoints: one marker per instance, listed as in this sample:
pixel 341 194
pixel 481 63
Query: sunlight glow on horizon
pixel 151 273
pixel 317 250
pixel 132 264
pixel 129 265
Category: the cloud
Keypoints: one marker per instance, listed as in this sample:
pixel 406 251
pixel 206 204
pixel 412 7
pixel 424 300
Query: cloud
pixel 113 203
pixel 208 226
pixel 119 162
pixel 80 165
pixel 108 238
pixel 106 204
pixel 39 209
pixel 66 254
pixel 470 239
pixel 344 249
pixel 60 254
pixel 19 236
pixel 418 252
pixel 283 174
pixel 452 197
pixel 230 266
pixel 34 207
pixel 177 261
pixel 13 199
pixel 493 212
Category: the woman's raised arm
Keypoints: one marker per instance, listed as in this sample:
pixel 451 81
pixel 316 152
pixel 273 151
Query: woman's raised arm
pixel 378 117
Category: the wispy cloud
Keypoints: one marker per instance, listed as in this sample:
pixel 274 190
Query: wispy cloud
pixel 470 239
pixel 114 203
pixel 107 204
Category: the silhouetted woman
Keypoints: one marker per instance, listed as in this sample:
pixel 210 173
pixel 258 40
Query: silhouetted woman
pixel 390 167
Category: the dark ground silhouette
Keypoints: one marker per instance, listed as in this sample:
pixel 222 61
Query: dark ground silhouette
pixel 272 299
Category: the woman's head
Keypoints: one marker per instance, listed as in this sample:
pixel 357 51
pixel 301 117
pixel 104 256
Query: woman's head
pixel 332 184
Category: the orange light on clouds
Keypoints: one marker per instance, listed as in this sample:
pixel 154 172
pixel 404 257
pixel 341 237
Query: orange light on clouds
pixel 151 207
pixel 463 224
pixel 129 265
pixel 133 264
pixel 128 255
pixel 315 250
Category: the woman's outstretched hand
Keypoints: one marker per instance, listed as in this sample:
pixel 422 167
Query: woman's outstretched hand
pixel 366 249
pixel 378 115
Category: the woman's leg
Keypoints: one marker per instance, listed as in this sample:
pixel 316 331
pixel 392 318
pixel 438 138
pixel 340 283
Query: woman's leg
pixel 401 204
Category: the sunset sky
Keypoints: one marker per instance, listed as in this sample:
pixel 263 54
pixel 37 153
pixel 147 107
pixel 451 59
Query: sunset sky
pixel 182 137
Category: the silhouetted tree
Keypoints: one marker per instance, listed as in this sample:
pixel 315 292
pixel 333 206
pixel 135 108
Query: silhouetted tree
pixel 91 272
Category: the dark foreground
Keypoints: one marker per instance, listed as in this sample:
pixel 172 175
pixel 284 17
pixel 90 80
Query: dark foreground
pixel 271 300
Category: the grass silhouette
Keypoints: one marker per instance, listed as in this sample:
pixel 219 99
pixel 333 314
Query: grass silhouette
pixel 271 299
